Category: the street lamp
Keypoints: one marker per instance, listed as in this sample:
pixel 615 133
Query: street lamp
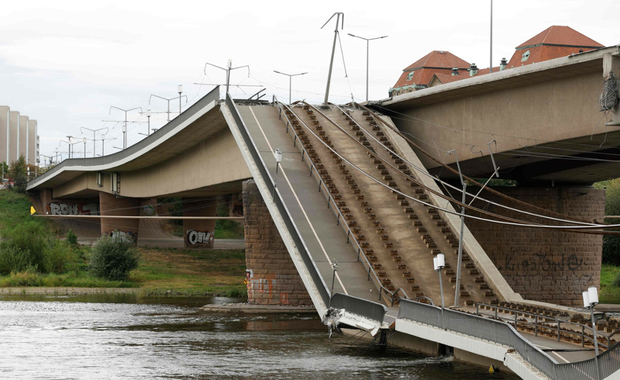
pixel 367 55
pixel 169 100
pixel 590 299
pixel 94 131
pixel 84 154
pixel 148 116
pixel 439 262
pixel 125 126
pixel 180 91
pixel 290 82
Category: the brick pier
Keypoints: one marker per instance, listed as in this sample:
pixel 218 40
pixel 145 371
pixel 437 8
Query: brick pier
pixel 274 278
pixel 545 265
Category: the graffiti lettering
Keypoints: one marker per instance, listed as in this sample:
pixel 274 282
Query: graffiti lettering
pixel 540 261
pixel 199 237
pixel 124 236
pixel 55 208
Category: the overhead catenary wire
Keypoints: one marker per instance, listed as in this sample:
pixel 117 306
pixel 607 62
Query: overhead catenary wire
pixel 396 191
pixel 447 167
pixel 450 198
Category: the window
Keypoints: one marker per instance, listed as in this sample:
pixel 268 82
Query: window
pixel 525 56
pixel 410 75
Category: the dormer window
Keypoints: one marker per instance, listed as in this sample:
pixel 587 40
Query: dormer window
pixel 525 56
pixel 409 76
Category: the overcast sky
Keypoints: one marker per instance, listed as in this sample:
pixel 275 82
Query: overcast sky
pixel 64 63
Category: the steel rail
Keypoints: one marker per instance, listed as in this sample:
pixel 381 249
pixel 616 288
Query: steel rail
pixel 350 235
pixel 424 172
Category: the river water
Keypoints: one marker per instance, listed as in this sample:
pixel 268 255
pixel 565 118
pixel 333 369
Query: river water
pixel 118 337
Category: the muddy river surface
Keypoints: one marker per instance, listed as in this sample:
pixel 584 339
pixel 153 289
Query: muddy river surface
pixel 118 337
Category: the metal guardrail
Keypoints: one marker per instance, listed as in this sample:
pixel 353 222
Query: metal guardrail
pixel 504 334
pixel 539 321
pixel 359 306
pixel 365 308
pixel 372 275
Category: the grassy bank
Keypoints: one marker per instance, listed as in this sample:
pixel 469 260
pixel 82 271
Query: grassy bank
pixel 610 289
pixel 167 272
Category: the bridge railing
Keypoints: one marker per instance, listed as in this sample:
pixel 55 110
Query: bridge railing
pixel 286 216
pixel 364 308
pixel 502 333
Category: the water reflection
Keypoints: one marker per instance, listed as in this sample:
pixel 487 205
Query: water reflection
pixel 82 338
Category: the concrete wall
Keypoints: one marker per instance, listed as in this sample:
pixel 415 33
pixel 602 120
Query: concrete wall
pixel 515 117
pixel 23 136
pixel 199 233
pixel 111 205
pixel 545 265
pixel 274 279
pixel 32 142
pixel 13 135
pixel 4 133
pixel 214 161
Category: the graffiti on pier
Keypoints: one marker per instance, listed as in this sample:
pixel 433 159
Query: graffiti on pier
pixel 520 261
pixel 124 236
pixel 198 238
pixel 58 208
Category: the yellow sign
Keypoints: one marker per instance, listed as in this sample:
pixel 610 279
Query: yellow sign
pixel 32 210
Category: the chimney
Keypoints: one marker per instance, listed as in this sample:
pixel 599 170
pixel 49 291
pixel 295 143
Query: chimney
pixel 503 64
pixel 455 71
pixel 473 70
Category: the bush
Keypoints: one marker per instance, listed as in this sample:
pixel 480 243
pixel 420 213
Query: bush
pixel 60 257
pixel 24 247
pixel 72 238
pixel 18 172
pixel 113 259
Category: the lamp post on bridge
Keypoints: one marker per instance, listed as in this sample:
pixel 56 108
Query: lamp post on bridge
pixel 367 55
pixel 590 299
pixel 457 292
pixel 439 262
pixel 278 156
pixel 94 131
pixel 290 82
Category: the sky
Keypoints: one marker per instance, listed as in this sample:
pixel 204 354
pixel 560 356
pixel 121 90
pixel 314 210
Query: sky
pixel 66 63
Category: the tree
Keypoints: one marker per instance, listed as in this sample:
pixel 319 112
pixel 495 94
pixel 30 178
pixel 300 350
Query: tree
pixel 19 174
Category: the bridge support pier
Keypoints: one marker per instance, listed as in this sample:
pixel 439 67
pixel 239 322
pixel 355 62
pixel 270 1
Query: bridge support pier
pixel 273 279
pixel 110 204
pixel 199 233
pixel 540 264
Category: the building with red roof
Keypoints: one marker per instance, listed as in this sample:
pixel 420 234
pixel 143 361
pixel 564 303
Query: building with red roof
pixel 553 42
pixel 440 67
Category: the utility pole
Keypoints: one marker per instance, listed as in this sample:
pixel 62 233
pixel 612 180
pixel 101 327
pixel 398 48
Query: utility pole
pixel 94 140
pixel 331 62
pixel 457 292
pixel 125 126
pixel 367 55
pixel 228 69
pixel 169 100
pixel 290 82
pixel 491 45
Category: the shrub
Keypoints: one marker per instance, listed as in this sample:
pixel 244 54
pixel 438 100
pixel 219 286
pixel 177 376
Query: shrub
pixel 72 238
pixel 60 257
pixel 24 246
pixel 113 259
pixel 18 172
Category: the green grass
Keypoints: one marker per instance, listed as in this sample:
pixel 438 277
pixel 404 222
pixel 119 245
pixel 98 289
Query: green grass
pixel 168 272
pixel 175 272
pixel 609 292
